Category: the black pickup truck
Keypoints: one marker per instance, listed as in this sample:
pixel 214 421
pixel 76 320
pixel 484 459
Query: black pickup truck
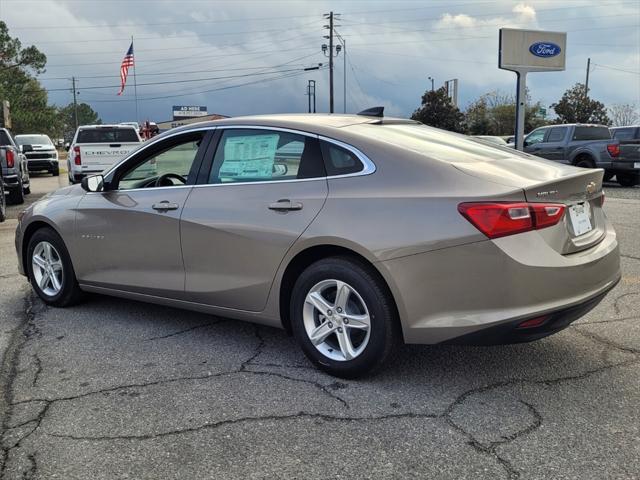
pixel 15 174
pixel 629 138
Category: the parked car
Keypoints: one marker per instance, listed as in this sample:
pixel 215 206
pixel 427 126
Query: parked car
pixel 40 152
pixel 95 148
pixel 629 138
pixel 492 139
pixel 3 200
pixel 15 174
pixel 582 145
pixel 351 232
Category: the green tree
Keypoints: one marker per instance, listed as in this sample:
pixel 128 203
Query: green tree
pixel 438 111
pixel 494 113
pixel 576 106
pixel 30 111
pixel 86 116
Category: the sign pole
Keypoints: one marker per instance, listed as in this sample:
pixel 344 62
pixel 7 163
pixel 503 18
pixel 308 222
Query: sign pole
pixel 135 83
pixel 521 108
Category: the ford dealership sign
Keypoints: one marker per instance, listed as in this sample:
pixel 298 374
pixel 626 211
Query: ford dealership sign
pixel 545 49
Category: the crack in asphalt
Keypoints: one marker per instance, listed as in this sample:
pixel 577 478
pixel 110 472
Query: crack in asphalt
pixel 630 256
pixel 611 320
pixel 186 330
pixel 28 328
pixel 9 371
pixel 616 302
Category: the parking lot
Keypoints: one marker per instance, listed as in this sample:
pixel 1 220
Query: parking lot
pixel 120 389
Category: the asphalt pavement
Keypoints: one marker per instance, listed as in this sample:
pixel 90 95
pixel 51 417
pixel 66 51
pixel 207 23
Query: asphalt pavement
pixel 121 389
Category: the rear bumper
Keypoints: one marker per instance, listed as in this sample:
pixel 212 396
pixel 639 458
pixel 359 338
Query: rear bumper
pixel 10 181
pixel 625 167
pixel 449 294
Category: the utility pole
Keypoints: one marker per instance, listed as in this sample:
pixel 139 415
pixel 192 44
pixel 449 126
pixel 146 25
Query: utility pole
pixel 311 92
pixel 75 102
pixel 344 73
pixel 329 52
pixel 432 87
pixel 586 82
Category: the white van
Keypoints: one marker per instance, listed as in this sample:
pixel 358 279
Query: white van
pixel 97 147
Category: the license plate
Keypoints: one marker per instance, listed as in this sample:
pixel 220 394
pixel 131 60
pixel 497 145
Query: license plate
pixel 636 164
pixel 580 218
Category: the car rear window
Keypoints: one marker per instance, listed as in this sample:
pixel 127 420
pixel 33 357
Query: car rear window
pixel 623 133
pixel 107 135
pixel 4 138
pixel 591 133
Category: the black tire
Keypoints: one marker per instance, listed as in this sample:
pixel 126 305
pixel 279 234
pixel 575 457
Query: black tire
pixel 27 189
pixel 384 331
pixel 584 162
pixel 608 176
pixel 70 292
pixel 16 195
pixel 3 203
pixel 628 179
pixel 55 172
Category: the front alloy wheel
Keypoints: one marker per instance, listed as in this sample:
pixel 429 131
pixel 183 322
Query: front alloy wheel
pixel 47 268
pixel 50 270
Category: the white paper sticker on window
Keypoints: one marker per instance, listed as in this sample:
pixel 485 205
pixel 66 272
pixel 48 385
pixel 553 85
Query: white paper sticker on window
pixel 249 156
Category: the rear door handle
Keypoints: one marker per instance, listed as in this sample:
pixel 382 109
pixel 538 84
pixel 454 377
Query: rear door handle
pixel 165 206
pixel 284 205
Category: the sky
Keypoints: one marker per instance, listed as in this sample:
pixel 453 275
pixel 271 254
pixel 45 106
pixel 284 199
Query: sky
pixel 247 56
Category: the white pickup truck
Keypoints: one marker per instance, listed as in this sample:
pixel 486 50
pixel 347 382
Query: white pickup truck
pixel 97 147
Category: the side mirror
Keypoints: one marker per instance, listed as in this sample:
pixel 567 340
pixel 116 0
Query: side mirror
pixel 26 148
pixel 67 146
pixel 93 183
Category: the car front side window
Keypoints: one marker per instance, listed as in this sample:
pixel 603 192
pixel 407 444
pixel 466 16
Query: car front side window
pixel 537 136
pixel 167 165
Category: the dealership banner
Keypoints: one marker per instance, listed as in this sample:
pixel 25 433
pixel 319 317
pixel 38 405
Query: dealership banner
pixel 180 112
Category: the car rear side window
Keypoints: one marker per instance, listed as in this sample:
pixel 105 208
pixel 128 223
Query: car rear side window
pixel 556 134
pixel 623 133
pixel 340 161
pixel 591 133
pixel 247 155
pixel 107 135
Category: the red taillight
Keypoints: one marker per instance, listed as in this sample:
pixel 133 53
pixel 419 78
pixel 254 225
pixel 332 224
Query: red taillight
pixel 11 159
pixel 76 156
pixel 613 149
pixel 501 219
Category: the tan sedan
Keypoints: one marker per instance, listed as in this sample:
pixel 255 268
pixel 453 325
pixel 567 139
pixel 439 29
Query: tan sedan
pixel 352 232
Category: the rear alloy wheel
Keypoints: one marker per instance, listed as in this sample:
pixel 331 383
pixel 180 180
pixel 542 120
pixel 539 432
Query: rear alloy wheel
pixel 50 270
pixel 343 317
pixel 628 179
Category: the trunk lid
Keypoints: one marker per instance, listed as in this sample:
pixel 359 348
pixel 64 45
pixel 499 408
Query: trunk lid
pixel 580 190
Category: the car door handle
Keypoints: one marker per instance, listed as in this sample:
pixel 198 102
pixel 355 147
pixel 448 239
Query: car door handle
pixel 165 206
pixel 284 205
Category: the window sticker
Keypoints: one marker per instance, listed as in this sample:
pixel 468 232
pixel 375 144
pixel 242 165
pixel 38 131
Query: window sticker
pixel 249 156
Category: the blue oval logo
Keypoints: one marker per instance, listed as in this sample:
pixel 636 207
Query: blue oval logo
pixel 545 49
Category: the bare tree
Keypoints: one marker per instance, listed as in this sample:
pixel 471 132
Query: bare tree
pixel 624 114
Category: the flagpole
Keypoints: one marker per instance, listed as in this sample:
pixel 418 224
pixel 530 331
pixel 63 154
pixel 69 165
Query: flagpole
pixel 135 84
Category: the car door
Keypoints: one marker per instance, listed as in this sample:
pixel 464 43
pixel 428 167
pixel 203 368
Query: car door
pixel 554 143
pixel 264 187
pixel 534 142
pixel 128 237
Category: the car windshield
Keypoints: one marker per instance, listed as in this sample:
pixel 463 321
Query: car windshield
pixel 33 140
pixel 107 135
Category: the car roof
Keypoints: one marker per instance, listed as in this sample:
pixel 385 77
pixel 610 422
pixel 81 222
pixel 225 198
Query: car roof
pixel 316 123
pixel 624 126
pixel 111 125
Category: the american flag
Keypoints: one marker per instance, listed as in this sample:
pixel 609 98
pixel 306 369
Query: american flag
pixel 127 62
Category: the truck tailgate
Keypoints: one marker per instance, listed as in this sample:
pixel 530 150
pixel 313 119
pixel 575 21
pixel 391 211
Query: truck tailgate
pixel 99 156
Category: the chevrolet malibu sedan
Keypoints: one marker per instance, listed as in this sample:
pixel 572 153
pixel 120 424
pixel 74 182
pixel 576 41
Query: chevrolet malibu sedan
pixel 352 232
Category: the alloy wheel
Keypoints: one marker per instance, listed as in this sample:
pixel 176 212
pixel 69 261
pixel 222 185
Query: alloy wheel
pixel 47 268
pixel 336 320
